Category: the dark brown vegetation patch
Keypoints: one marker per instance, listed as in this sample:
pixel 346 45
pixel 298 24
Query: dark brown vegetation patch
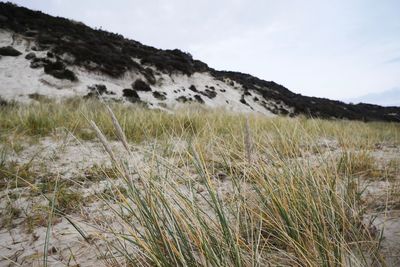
pixel 9 51
pixel 140 85
pixel 159 95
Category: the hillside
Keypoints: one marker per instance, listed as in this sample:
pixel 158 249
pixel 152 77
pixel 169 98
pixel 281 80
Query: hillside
pixel 57 57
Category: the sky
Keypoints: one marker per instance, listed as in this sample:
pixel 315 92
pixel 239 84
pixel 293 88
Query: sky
pixel 339 49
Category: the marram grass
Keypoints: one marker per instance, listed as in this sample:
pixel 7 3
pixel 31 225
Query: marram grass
pixel 141 124
pixel 280 210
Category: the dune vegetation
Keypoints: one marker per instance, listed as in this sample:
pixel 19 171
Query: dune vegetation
pixel 198 187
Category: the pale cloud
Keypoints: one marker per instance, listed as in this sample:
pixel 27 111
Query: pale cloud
pixel 393 60
pixel 337 49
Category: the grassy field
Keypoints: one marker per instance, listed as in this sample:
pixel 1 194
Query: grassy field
pixel 200 187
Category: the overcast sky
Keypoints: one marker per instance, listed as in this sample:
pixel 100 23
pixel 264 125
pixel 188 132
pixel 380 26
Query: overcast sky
pixel 339 49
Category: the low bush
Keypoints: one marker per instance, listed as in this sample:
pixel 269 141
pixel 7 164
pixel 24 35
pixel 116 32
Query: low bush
pixel 182 99
pixel 140 85
pixel 199 99
pixel 159 95
pixel 209 93
pixel 193 88
pixel 130 93
pixel 30 56
pixel 9 51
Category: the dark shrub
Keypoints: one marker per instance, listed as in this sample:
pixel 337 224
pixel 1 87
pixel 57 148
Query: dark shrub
pixel 98 89
pixel 39 62
pixel 209 93
pixel 30 56
pixel 53 66
pixel 101 88
pixel 283 111
pixel 58 70
pixel 193 88
pixel 182 99
pixel 64 74
pixel 130 93
pixel 38 97
pixel 36 64
pixel 159 95
pixel 9 51
pixel 247 93
pixel 3 102
pixel 47 39
pixel 255 99
pixel 243 101
pixel 140 85
pixel 134 100
pixel 149 75
pixel 30 33
pixel 199 99
pixel 3 18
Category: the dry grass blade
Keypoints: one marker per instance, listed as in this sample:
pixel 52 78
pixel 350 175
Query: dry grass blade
pixel 118 129
pixel 247 141
pixel 104 141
